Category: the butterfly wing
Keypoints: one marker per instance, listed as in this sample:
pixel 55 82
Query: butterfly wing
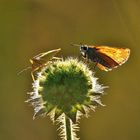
pixel 105 62
pixel 113 56
pixel 120 55
pixel 103 67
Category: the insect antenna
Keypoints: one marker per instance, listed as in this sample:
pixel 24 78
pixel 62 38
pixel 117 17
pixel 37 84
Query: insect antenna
pixel 76 45
pixel 23 70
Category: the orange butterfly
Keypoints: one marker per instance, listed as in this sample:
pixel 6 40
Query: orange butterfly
pixel 105 57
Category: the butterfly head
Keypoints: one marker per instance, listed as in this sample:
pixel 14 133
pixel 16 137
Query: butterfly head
pixel 83 50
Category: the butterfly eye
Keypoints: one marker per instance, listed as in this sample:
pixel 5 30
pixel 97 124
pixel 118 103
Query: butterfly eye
pixel 83 48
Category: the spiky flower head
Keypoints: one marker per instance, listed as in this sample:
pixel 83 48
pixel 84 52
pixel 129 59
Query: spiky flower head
pixel 65 87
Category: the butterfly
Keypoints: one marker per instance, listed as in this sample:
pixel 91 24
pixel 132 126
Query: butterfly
pixel 40 61
pixel 106 58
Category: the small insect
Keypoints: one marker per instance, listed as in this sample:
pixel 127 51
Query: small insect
pixel 105 57
pixel 41 60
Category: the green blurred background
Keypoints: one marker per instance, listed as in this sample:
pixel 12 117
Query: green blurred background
pixel 28 27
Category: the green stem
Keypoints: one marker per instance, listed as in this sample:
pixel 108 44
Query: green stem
pixel 68 127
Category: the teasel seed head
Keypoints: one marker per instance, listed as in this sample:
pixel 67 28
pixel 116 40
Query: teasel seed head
pixel 66 87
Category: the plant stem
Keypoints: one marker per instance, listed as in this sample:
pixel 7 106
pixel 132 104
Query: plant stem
pixel 68 127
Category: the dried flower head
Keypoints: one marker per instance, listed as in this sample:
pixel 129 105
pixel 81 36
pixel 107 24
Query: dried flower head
pixel 65 90
pixel 67 87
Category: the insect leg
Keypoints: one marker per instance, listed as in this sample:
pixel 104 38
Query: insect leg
pixel 23 70
pixel 95 65
pixel 33 78
pixel 87 59
pixel 79 57
pixel 57 58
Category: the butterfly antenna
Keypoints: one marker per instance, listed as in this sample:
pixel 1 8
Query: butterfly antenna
pixel 23 70
pixel 76 45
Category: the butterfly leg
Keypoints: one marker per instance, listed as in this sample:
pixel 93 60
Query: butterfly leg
pixel 87 60
pixel 79 57
pixel 95 65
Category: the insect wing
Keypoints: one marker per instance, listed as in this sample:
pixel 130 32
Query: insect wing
pixel 113 56
pixel 103 67
pixel 106 63
pixel 120 55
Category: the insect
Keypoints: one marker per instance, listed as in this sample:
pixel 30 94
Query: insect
pixel 41 60
pixel 106 58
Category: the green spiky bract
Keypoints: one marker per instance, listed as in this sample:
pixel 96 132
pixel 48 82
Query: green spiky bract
pixel 65 90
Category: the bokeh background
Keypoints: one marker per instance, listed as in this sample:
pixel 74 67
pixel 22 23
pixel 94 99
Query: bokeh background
pixel 28 27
